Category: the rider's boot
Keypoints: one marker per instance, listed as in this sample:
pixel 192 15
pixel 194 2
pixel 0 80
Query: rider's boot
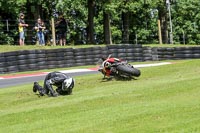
pixel 37 87
pixel 34 87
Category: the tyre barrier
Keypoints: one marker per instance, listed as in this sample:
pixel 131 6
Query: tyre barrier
pixel 90 54
pixel 27 60
pixel 79 57
pixel 164 53
pixel 147 54
pixel 186 52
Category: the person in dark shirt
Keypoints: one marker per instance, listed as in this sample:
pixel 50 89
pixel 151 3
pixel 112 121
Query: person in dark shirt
pixel 21 26
pixel 63 82
pixel 61 27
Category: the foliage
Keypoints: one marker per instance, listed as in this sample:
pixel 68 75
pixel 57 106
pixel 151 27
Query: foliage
pixel 186 20
pixel 143 17
pixel 11 6
pixel 4 37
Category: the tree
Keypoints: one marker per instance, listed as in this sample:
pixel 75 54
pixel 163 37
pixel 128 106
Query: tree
pixel 125 22
pixel 75 11
pixel 112 21
pixel 186 21
pixel 90 27
pixel 106 28
pixel 13 7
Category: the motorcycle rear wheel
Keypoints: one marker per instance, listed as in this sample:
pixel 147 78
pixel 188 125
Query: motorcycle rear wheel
pixel 128 70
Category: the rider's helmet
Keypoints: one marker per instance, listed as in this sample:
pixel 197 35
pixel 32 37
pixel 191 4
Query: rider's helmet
pixel 68 84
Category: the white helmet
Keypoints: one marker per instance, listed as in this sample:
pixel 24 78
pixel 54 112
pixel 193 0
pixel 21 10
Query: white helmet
pixel 68 84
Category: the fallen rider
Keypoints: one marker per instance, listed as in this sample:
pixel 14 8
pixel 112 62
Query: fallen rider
pixel 63 82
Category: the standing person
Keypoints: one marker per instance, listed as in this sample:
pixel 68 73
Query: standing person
pixel 21 26
pixel 61 26
pixel 63 82
pixel 40 27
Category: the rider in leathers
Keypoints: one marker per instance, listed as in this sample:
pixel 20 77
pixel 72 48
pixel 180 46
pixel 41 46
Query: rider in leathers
pixel 63 82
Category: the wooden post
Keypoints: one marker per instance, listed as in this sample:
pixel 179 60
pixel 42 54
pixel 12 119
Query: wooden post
pixel 53 32
pixel 183 37
pixel 159 32
pixel 7 25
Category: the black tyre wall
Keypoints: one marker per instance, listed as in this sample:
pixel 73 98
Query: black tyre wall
pixel 27 60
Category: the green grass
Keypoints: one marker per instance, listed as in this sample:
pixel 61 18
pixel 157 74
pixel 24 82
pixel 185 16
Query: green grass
pixel 163 99
pixel 172 45
pixel 8 48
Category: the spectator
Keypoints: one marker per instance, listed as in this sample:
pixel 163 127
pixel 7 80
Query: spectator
pixel 61 26
pixel 40 27
pixel 21 25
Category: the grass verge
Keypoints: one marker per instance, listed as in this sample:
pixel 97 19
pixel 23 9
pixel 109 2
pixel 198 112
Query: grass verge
pixel 8 48
pixel 163 99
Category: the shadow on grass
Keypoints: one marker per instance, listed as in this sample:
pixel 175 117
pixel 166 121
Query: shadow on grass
pixel 107 79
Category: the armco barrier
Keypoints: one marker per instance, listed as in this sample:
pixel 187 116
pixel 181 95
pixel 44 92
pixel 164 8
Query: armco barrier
pixel 27 60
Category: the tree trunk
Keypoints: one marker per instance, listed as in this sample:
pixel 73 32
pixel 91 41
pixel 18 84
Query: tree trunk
pixel 125 27
pixel 163 22
pixel 90 28
pixel 165 30
pixel 106 27
pixel 29 19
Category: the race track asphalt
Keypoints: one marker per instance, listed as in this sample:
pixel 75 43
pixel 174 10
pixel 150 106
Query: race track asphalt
pixel 6 83
pixel 9 82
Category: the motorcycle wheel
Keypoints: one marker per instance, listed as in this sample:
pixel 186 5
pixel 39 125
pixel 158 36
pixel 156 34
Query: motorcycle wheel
pixel 128 70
